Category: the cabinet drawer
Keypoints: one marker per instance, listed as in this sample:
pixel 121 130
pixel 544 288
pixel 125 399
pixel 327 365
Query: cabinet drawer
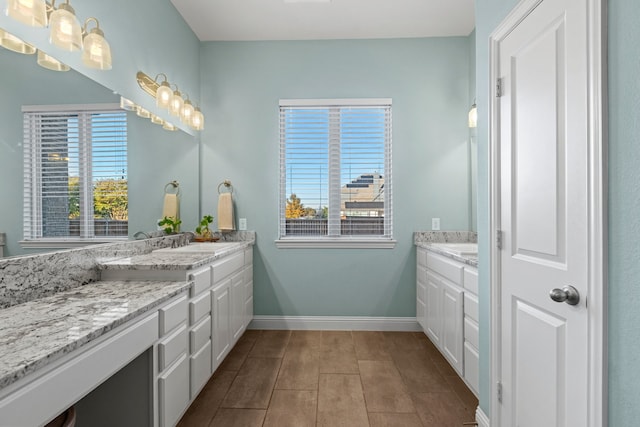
pixel 172 315
pixel 471 306
pixel 248 256
pixel 173 392
pixel 200 369
pixel 226 266
pixel 200 334
pixel 471 367
pixel 447 268
pixel 201 281
pixel 471 332
pixel 421 257
pixel 170 348
pixel 199 307
pixel 471 279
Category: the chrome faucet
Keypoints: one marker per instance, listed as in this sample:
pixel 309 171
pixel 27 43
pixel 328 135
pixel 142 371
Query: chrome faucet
pixel 141 233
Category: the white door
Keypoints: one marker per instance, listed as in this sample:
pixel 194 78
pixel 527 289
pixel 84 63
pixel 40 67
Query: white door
pixel 543 167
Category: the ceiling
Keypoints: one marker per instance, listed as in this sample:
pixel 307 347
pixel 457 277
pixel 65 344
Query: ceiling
pixel 326 19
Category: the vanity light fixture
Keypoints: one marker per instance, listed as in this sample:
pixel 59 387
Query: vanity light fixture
pixel 15 44
pixel 176 104
pixel 156 120
pixel 197 122
pixel 169 126
pixel 127 104
pixel 473 116
pixel 163 93
pixel 96 52
pixel 65 30
pixel 50 63
pixel 186 114
pixel 29 12
pixel 142 112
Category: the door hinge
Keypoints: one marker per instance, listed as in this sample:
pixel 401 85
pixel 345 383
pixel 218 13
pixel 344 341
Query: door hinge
pixel 499 239
pixel 499 391
pixel 498 87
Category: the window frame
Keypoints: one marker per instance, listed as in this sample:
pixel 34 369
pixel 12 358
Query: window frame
pixel 61 242
pixel 345 241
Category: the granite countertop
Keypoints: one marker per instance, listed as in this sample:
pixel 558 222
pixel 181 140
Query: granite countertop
pixel 183 258
pixel 38 332
pixel 465 259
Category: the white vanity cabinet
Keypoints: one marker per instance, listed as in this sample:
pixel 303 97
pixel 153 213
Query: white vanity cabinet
pixel 447 310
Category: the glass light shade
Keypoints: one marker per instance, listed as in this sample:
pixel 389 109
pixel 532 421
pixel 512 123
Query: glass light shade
pixel 127 104
pixel 473 116
pixel 197 121
pixel 175 108
pixel 169 126
pixel 51 63
pixel 156 120
pixel 187 112
pixel 29 12
pixel 141 112
pixel 65 29
pixel 11 42
pixel 164 95
pixel 96 53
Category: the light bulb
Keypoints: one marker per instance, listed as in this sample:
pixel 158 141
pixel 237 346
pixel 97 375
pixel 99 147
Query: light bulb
pixel 65 28
pixel 175 108
pixel 164 95
pixel 97 52
pixel 187 112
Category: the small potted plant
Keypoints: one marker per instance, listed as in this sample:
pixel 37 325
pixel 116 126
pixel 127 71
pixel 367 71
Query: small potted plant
pixel 203 232
pixel 170 225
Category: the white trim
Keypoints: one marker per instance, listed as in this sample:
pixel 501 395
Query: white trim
pixel 597 226
pixel 482 419
pixel 335 243
pixel 366 102
pixel 335 323
pixel 69 107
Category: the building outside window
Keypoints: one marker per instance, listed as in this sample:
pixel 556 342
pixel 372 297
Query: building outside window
pixel 75 174
pixel 335 171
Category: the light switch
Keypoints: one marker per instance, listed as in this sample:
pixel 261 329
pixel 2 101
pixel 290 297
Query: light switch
pixel 242 223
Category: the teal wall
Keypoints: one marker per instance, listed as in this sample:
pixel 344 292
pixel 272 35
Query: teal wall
pixel 428 80
pixel 624 212
pixel 624 202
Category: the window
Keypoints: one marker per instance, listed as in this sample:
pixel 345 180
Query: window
pixel 335 173
pixel 75 174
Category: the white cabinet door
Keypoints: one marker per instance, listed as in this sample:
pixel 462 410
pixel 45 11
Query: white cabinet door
pixel 173 388
pixel 433 317
pixel 237 306
pixel 452 316
pixel 421 293
pixel 221 311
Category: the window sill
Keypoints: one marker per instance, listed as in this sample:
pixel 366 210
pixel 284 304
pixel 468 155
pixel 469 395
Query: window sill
pixel 335 243
pixel 67 243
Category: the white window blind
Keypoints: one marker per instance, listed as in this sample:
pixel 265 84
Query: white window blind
pixel 75 173
pixel 335 169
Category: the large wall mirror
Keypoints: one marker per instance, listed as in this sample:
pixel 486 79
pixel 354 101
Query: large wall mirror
pixel 155 156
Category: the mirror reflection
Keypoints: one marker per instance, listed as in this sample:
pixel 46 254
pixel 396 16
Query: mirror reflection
pixel 153 157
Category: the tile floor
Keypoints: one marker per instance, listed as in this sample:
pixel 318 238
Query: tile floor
pixel 333 378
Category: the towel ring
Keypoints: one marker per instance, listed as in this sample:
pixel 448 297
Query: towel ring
pixel 227 184
pixel 173 184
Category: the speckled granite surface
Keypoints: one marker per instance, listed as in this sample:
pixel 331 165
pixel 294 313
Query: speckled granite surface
pixel 26 278
pixel 183 258
pixel 424 239
pixel 445 237
pixel 38 332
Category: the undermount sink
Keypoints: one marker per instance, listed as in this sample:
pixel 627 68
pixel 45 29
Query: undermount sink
pixel 458 248
pixel 199 248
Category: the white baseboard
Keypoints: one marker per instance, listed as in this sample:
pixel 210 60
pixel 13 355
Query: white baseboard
pixel 335 323
pixel 482 419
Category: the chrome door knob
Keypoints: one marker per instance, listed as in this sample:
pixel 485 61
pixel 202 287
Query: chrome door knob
pixel 568 294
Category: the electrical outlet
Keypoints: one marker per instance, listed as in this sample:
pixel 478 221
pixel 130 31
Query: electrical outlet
pixel 435 224
pixel 242 223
